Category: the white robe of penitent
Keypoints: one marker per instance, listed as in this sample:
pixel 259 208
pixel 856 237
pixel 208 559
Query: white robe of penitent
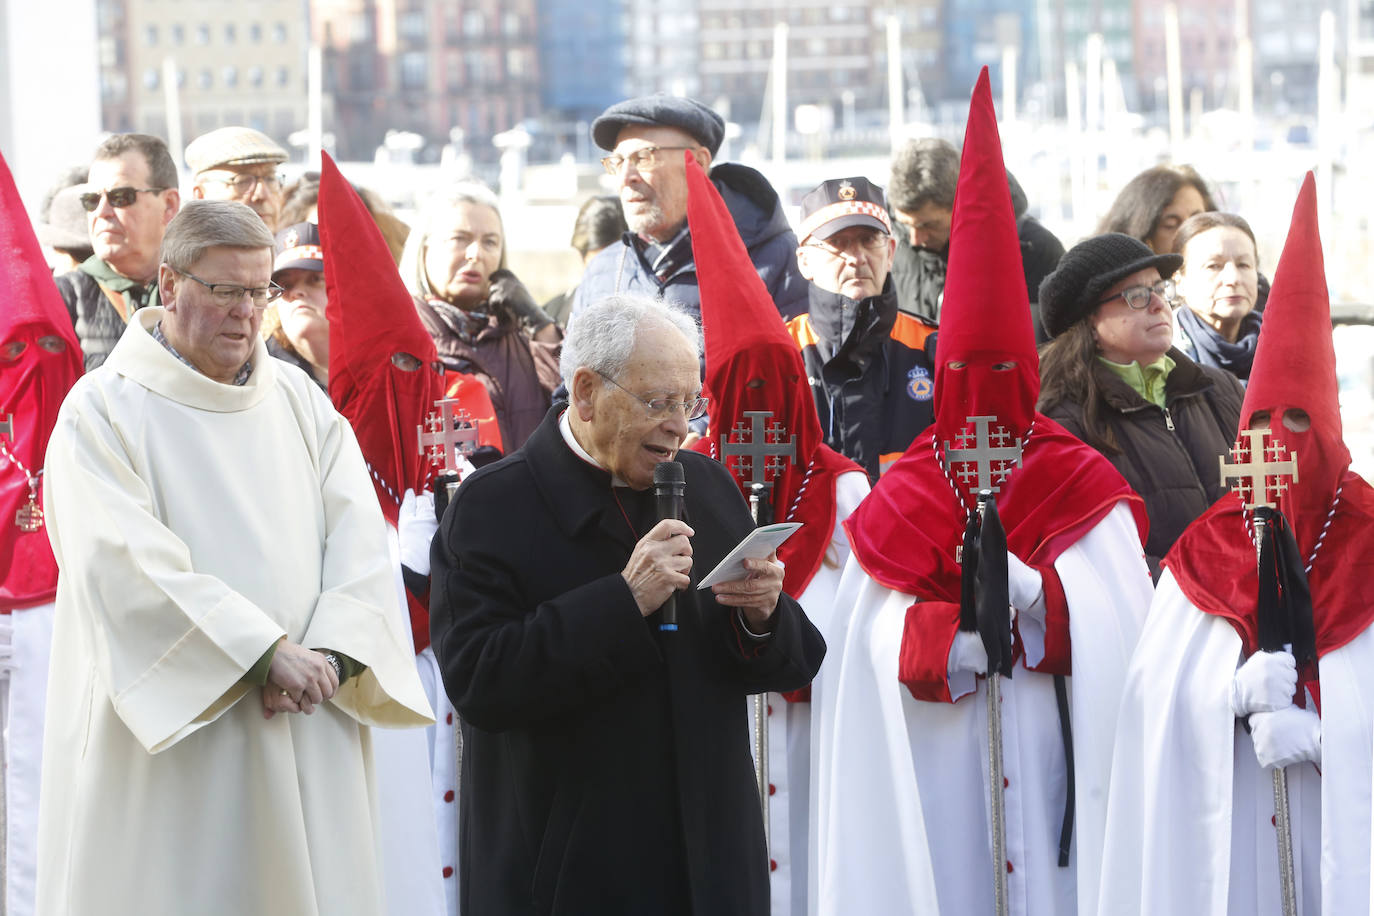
pixel 194 524
pixel 789 727
pixel 1190 826
pixel 903 799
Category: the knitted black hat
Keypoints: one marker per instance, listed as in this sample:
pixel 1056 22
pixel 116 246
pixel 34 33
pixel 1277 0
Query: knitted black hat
pixel 689 115
pixel 1089 269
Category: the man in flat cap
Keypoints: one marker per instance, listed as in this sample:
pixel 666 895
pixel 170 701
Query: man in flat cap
pixel 239 163
pixel 647 138
pixel 866 360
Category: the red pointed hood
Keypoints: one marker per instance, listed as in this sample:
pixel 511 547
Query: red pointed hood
pixel 906 534
pixel 35 327
pixel 753 365
pixel 985 317
pixel 384 374
pixel 1294 369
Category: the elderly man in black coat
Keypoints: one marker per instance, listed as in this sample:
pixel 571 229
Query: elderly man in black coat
pixel 606 761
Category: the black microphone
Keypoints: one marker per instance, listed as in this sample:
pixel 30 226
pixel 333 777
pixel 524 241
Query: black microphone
pixel 670 487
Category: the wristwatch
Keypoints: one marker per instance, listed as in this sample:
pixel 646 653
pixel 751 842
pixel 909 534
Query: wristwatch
pixel 338 665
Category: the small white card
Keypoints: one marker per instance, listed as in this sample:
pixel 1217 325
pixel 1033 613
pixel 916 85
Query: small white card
pixel 757 546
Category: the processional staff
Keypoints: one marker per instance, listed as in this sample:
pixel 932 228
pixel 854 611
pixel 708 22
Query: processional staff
pixel 984 600
pixel 1255 479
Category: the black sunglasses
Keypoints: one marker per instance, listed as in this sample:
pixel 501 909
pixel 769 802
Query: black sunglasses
pixel 118 197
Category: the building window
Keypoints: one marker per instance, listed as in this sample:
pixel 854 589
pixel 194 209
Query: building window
pixel 283 77
pixel 473 24
pixel 150 35
pixel 511 23
pixel 181 77
pixel 230 76
pixel 255 76
pixel 205 79
pixel 279 33
pixel 202 34
pixel 413 70
pixel 412 24
pixel 230 33
pixel 359 29
pixel 178 34
pixel 150 78
pixel 255 32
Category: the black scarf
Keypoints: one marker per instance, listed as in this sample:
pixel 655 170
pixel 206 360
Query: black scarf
pixel 1214 350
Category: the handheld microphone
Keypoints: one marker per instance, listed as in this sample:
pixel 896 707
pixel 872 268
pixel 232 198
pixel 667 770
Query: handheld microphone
pixel 670 487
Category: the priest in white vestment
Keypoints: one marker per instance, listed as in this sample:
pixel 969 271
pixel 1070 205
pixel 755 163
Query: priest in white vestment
pixel 1206 713
pixel 903 806
pixel 754 373
pixel 226 628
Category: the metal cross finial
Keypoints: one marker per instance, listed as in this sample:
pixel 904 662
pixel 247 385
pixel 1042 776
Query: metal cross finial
pixel 1253 476
pixel 989 461
pixel 447 434
pixel 759 458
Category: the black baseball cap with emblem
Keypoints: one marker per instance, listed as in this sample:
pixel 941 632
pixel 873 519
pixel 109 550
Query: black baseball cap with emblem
pixel 843 202
pixel 298 248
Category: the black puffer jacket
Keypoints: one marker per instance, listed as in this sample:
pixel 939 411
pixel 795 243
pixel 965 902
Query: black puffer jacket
pixel 758 215
pixel 1168 456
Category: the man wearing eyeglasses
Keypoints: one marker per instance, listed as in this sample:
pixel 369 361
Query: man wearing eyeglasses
pixel 226 621
pixel 130 197
pixel 647 139
pixel 606 759
pixel 239 163
pixel 866 360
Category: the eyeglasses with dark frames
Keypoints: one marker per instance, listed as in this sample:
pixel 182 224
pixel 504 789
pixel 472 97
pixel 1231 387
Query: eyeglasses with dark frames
pixel 663 408
pixel 228 295
pixel 643 160
pixel 118 197
pixel 1138 297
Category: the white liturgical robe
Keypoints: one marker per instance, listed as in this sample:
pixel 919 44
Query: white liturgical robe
pixel 195 523
pixel 903 789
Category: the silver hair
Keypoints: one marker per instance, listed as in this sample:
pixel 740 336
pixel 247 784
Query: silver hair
pixel 603 335
pixel 206 224
pixel 436 213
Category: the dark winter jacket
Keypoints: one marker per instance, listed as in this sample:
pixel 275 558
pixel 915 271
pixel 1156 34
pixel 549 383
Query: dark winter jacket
pixel 490 342
pixel 757 211
pixel 869 372
pixel 919 274
pixel 97 322
pixel 606 764
pixel 1169 456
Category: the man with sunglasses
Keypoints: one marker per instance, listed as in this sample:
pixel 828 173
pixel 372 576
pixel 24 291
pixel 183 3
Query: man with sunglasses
pixel 606 764
pixel 226 621
pixel 866 361
pixel 130 197
pixel 239 163
pixel 647 138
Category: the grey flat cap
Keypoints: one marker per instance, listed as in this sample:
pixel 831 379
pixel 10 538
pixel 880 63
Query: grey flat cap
pixel 687 115
pixel 65 227
pixel 232 146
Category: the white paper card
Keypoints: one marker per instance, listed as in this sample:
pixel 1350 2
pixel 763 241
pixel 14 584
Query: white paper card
pixel 757 546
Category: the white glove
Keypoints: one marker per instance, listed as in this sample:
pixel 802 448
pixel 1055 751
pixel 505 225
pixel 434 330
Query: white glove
pixel 1288 736
pixel 1265 682
pixel 1026 588
pixel 416 525
pixel 967 653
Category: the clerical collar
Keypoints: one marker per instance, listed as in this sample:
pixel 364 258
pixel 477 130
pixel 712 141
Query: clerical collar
pixel 240 379
pixel 565 428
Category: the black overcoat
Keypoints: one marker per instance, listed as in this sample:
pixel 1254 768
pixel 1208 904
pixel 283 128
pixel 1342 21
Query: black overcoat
pixel 606 765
